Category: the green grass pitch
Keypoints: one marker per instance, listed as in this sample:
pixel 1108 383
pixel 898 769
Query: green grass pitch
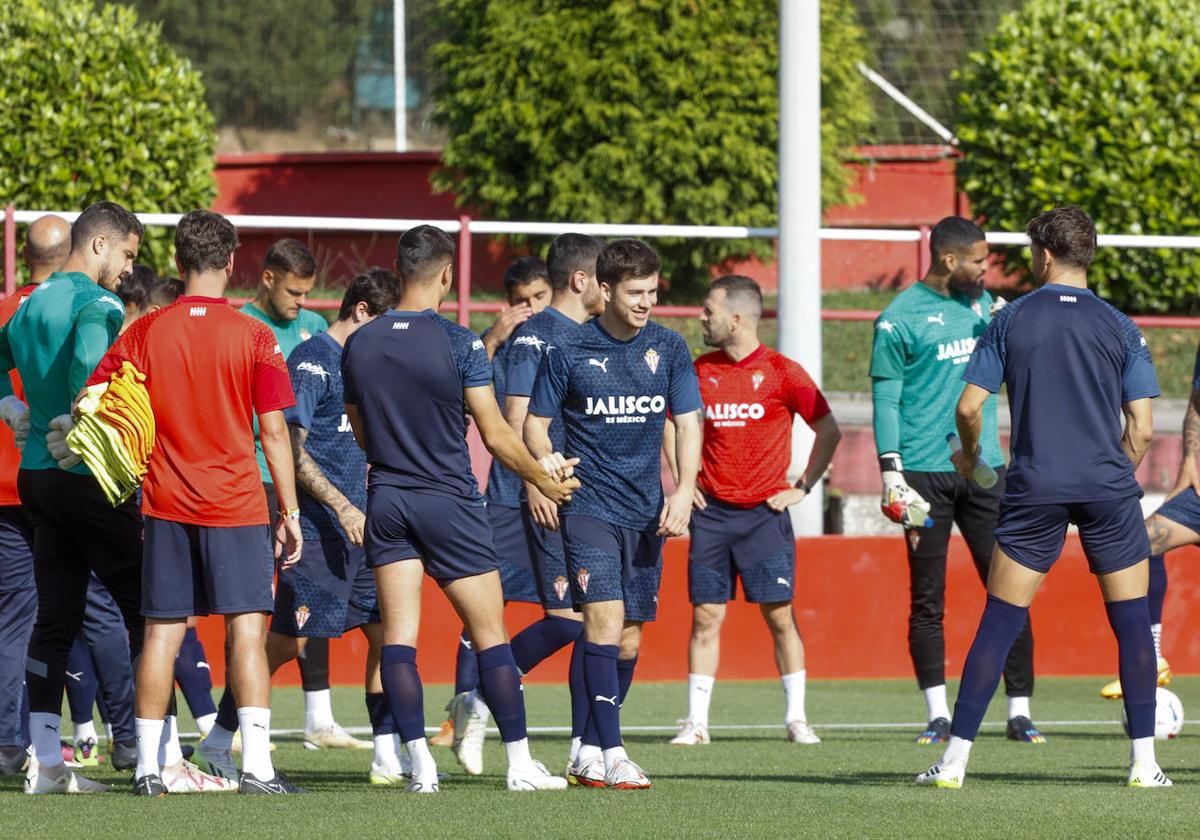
pixel 748 783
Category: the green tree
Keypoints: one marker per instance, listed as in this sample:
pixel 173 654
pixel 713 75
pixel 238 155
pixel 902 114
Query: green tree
pixel 650 111
pixel 97 107
pixel 1095 103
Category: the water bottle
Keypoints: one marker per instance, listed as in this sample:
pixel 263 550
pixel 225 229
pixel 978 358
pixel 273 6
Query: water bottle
pixel 983 475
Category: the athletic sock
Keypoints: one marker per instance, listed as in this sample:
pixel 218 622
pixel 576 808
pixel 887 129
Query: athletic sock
pixel 1156 634
pixel 466 666
pixel 588 752
pixel 576 743
pixel 958 750
pixel 625 669
pixel 1142 750
pixel 402 687
pixel 935 702
pixel 84 730
pixel 44 729
pixel 255 723
pixel 382 730
pixel 542 639
pixel 1130 622
pixel 580 707
pixel 1157 593
pixel 314 665
pixel 194 678
pixel 227 711
pixel 424 768
pixel 205 724
pixel 500 685
pixel 793 695
pixel 169 752
pixel 612 755
pixel 1018 707
pixel 518 755
pixel 604 691
pixel 220 738
pixel 318 710
pixel 998 629
pixel 81 684
pixel 149 741
pixel 700 688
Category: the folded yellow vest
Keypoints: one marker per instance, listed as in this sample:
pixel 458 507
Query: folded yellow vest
pixel 114 432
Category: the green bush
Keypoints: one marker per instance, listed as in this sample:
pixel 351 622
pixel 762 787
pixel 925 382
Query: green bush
pixel 1095 103
pixel 644 111
pixel 96 107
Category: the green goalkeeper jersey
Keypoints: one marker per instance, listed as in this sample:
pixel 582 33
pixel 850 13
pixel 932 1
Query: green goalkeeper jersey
pixel 55 340
pixel 923 341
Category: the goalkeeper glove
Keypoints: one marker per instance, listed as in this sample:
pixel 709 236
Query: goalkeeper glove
pixel 900 503
pixel 15 415
pixel 56 442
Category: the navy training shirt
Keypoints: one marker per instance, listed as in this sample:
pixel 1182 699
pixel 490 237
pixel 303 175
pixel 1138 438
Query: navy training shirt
pixel 504 487
pixel 316 371
pixel 1070 361
pixel 406 371
pixel 541 335
pixel 614 397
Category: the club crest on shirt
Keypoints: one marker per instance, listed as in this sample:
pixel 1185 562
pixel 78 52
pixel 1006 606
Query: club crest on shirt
pixel 652 358
pixel 756 379
pixel 583 577
pixel 305 334
pixel 560 586
pixel 914 538
pixel 302 616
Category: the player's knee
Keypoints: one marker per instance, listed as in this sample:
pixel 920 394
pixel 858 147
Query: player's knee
pixel 780 620
pixel 706 621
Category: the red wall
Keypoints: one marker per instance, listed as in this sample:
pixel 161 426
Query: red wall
pixel 852 607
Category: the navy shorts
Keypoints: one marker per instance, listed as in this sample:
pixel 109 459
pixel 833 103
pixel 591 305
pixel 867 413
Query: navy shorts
pixel 1112 532
pixel 328 592
pixel 549 564
pixel 1183 508
pixel 452 537
pixel 756 544
pixel 16 550
pixel 514 553
pixel 610 562
pixel 195 570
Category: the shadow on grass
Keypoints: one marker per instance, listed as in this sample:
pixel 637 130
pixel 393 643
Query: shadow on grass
pixel 1093 776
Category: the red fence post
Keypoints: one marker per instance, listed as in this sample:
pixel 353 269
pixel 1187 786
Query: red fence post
pixel 924 258
pixel 464 271
pixel 10 251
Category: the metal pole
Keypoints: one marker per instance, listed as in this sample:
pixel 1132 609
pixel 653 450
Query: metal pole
pixel 800 217
pixel 10 251
pixel 924 257
pixel 400 76
pixel 464 271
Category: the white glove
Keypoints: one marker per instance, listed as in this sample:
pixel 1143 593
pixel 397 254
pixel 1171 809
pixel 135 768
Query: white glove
pixel 899 502
pixel 56 442
pixel 15 415
pixel 997 304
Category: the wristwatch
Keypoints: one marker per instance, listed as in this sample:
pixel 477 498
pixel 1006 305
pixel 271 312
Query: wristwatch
pixel 803 485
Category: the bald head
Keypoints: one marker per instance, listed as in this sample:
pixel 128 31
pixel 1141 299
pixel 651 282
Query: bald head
pixel 46 246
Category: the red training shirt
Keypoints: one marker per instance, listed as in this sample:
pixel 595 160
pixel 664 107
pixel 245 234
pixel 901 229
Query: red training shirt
pixel 209 369
pixel 10 456
pixel 748 410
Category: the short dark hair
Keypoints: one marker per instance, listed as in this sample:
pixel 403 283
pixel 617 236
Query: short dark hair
pixel 104 218
pixel 571 252
pixel 1066 232
pixel 289 256
pixel 421 250
pixel 953 233
pixel 135 287
pixel 166 291
pixel 524 271
pixel 623 259
pixel 738 287
pixel 377 287
pixel 203 241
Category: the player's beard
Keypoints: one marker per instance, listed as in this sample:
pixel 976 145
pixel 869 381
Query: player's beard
pixel 968 287
pixel 109 279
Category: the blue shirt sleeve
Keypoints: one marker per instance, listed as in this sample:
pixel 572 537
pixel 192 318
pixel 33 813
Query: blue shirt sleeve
pixel 349 392
pixel 310 383
pixel 521 365
pixel 550 388
pixel 684 394
pixel 1138 379
pixel 472 360
pixel 986 365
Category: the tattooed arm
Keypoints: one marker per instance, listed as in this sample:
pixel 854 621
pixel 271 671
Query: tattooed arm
pixel 1188 475
pixel 312 481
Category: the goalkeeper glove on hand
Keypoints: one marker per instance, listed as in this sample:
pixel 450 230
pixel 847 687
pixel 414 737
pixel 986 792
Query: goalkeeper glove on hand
pixel 15 415
pixel 56 442
pixel 899 502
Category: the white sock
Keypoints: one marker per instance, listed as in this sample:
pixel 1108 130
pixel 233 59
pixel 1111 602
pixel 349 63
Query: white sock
pixel 385 752
pixel 108 732
pixel 424 768
pixel 84 731
pixel 700 688
pixel 169 753
pixel 475 698
pixel 1018 707
pixel 612 755
pixel 255 723
pixel 957 751
pixel 1156 631
pixel 588 752
pixel 576 742
pixel 318 710
pixel 1142 750
pixel 405 762
pixel 219 737
pixel 149 736
pixel 793 695
pixel 935 702
pixel 205 723
pixel 44 730
pixel 518 754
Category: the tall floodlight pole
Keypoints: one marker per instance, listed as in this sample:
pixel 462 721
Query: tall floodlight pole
pixel 800 217
pixel 399 75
